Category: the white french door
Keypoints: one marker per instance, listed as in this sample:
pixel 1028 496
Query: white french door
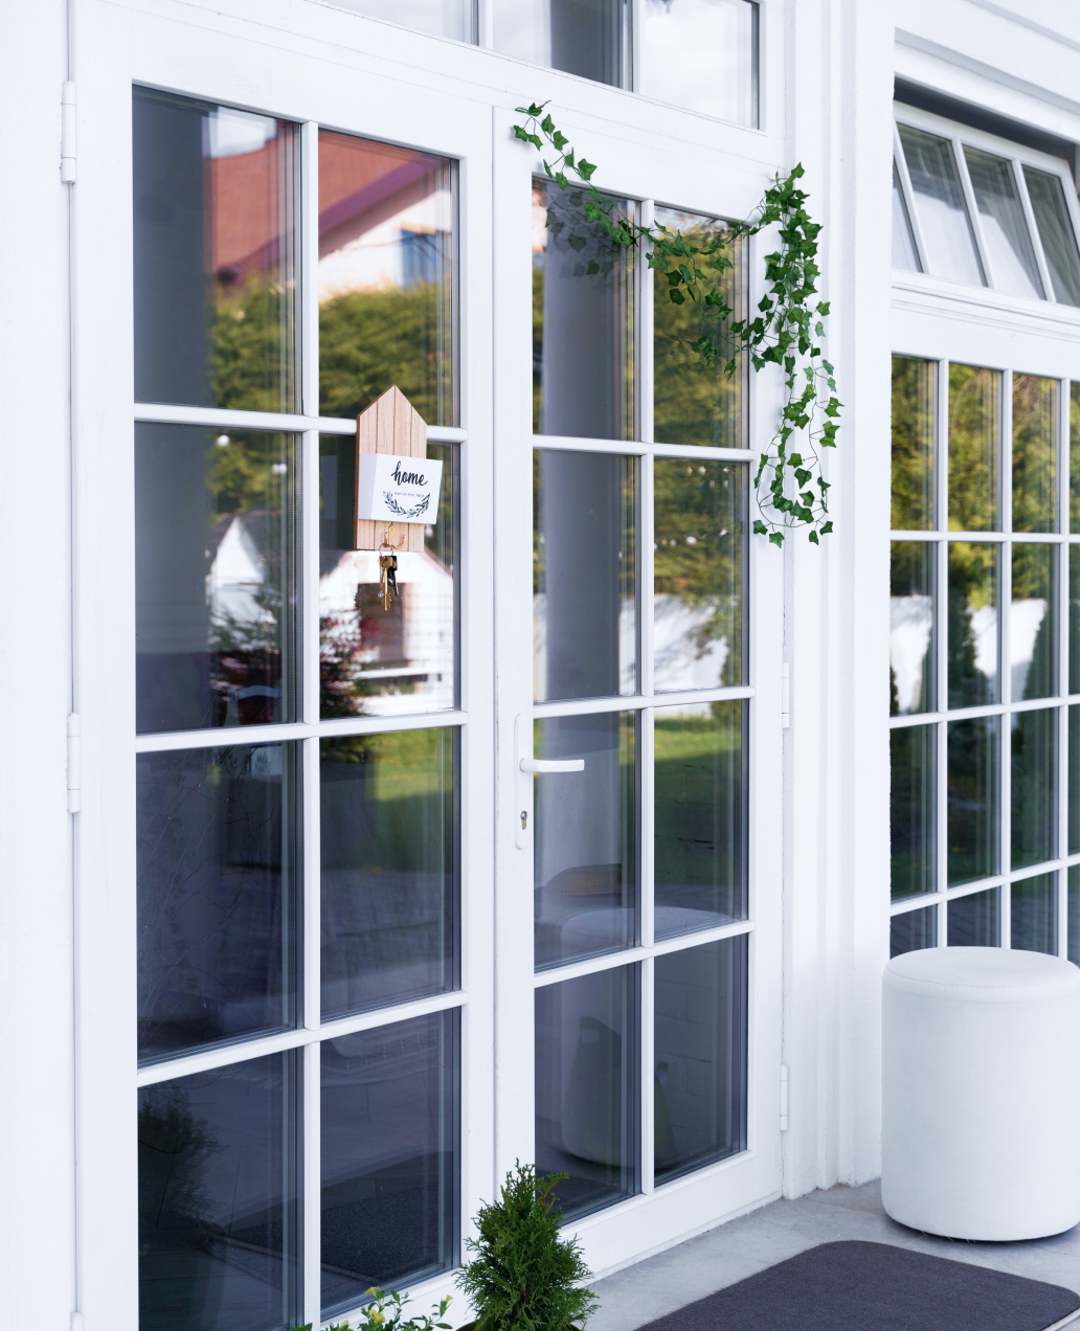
pixel 341 960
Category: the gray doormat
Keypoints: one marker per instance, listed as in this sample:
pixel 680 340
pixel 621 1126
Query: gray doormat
pixel 856 1286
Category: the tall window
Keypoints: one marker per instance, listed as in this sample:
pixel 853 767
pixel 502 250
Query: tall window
pixel 642 907
pixel 297 841
pixel 985 658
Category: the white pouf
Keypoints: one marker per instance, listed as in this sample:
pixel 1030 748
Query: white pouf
pixel 980 1086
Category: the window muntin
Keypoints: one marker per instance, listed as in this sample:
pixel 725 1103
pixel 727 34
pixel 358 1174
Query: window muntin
pixel 217 896
pixel 584 320
pixel 702 55
pixel 978 210
pixel 691 403
pixel 374 661
pixel 216 252
pixel 388 1148
pixel 219 1193
pixel 1005 234
pixel 948 241
pixel 984 763
pixel 386 277
pixel 1056 233
pixel 585 621
pixel 389 882
pixel 586 1087
pixel 216 519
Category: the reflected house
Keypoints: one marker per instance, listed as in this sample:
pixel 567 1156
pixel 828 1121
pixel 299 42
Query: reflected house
pixel 394 650
pixel 245 674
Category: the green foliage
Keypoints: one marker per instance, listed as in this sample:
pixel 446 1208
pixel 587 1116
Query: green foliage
pixel 524 1277
pixel 789 322
pixel 375 1317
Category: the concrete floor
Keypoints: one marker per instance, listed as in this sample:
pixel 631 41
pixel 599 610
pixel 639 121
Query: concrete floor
pixel 690 1270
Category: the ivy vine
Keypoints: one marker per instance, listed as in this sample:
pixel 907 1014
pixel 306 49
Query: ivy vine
pixel 791 491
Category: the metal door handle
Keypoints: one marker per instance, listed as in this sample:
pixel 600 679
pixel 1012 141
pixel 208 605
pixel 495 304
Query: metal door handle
pixel 552 764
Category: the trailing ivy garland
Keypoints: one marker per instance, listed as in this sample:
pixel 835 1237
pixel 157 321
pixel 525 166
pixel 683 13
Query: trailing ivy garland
pixel 791 491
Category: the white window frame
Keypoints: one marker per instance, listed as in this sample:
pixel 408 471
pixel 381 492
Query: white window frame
pixel 340 71
pixel 942 321
pixel 1018 156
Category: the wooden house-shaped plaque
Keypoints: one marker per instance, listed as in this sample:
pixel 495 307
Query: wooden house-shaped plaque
pixel 390 425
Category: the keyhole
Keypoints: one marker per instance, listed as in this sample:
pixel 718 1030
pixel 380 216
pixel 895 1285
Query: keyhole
pixel 524 818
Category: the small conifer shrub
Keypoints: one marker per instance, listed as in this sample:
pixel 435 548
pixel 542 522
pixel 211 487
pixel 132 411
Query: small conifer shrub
pixel 524 1275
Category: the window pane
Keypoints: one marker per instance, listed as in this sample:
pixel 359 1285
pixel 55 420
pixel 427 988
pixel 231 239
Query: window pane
pixel 699 1078
pixel 372 661
pixel 215 577
pixel 218 1199
pixel 389 868
pixel 217 895
pixel 903 240
pixel 1074 780
pixel 696 403
pixel 585 37
pixel 912 816
pixel 215 234
pixel 1034 914
pixel 702 54
pixel 699 539
pixel 585 844
pixel 445 18
pixel 583 320
pixel 1034 787
pixel 1074 915
pixel 912 444
pixel 973 795
pixel 386 257
pixel 913 930
pixel 1056 234
pixel 584 576
pixel 973 448
pixel 1034 468
pixel 389 1119
pixel 911 627
pixel 974 920
pixel 1033 621
pixel 587 1088
pixel 973 623
pixel 939 199
pixel 1004 227
pixel 1074 457
pixel 700 803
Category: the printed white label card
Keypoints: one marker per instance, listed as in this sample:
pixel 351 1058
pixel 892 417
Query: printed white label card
pixel 397 489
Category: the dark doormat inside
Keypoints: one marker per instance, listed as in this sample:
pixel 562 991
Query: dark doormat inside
pixel 857 1286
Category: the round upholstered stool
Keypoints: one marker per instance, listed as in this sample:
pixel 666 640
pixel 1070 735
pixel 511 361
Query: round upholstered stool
pixel 980 1132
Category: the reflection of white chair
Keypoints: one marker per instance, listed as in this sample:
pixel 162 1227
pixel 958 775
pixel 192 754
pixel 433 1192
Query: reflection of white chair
pixel 595 930
pixel 980 1082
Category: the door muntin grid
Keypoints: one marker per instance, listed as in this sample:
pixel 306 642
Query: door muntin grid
pixel 676 661
pixel 229 938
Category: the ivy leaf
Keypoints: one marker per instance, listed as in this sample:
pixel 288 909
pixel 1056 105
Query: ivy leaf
pixel 759 528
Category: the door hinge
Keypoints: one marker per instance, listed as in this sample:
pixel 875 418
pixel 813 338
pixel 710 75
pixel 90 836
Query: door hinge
pixel 74 763
pixel 67 134
pixel 785 697
pixel 783 1097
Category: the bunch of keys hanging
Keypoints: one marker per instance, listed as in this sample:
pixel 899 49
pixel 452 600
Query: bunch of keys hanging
pixel 388 567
